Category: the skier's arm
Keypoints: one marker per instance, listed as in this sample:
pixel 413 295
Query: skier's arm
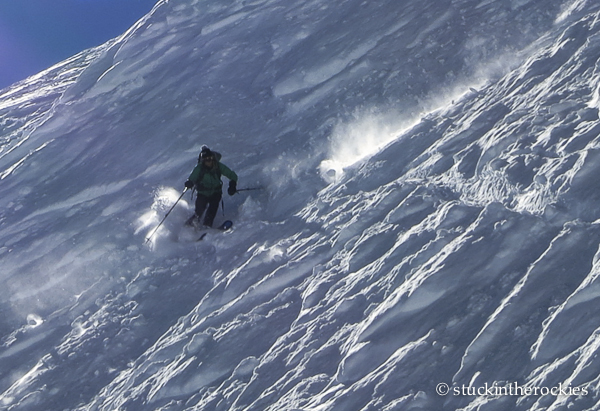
pixel 227 172
pixel 195 174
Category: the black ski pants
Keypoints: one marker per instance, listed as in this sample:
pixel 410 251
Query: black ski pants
pixel 212 202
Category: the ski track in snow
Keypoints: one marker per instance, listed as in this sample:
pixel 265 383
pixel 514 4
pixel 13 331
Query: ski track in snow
pixel 429 211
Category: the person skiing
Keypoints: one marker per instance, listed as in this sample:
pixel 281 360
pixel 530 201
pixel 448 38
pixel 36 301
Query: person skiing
pixel 206 178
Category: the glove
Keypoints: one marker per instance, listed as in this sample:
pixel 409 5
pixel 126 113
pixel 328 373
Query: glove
pixel 189 184
pixel 232 188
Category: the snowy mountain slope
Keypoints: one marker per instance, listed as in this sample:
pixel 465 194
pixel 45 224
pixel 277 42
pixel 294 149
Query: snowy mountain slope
pixel 456 244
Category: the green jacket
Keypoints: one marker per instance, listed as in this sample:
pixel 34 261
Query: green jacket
pixel 208 180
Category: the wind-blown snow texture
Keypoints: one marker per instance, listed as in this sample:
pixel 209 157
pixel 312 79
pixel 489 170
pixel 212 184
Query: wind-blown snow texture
pixel 430 211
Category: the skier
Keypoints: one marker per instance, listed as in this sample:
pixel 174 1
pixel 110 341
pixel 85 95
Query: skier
pixel 206 178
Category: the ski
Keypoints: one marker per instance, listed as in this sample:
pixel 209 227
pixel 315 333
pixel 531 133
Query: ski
pixel 226 225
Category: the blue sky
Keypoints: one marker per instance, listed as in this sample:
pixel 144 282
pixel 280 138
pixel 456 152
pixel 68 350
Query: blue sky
pixel 36 34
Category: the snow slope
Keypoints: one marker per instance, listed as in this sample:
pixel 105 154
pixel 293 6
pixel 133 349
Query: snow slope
pixel 428 214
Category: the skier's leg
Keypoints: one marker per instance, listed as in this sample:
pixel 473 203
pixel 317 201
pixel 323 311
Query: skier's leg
pixel 213 207
pixel 200 206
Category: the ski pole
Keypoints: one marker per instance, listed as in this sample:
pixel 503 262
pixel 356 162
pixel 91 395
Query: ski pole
pixel 249 189
pixel 166 215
